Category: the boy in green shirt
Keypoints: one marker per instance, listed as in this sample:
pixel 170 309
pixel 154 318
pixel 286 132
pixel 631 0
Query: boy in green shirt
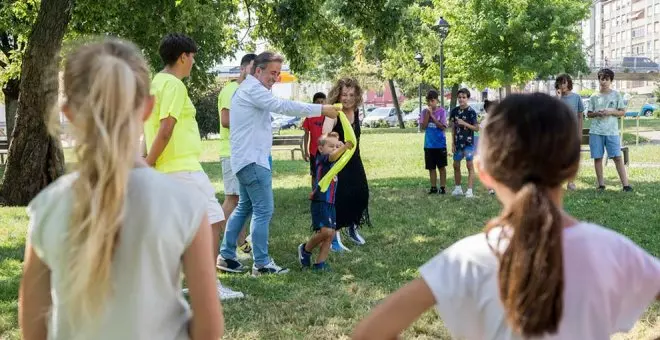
pixel 605 107
pixel 228 177
pixel 171 134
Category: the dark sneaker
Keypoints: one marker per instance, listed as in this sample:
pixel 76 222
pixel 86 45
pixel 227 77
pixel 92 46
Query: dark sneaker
pixel 229 265
pixel 627 188
pixel 321 267
pixel 433 190
pixel 270 268
pixel 355 236
pixel 442 191
pixel 601 188
pixel 304 257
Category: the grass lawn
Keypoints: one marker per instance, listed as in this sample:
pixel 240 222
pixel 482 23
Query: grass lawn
pixel 409 228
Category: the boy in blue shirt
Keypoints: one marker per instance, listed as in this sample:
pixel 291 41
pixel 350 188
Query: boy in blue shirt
pixel 463 120
pixel 324 220
pixel 564 85
pixel 433 120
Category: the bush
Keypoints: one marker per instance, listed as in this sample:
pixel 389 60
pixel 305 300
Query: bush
pixel 586 92
pixel 208 117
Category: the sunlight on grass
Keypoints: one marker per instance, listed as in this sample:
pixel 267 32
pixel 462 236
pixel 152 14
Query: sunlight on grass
pixel 409 227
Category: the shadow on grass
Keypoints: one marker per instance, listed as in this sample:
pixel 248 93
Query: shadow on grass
pixel 409 228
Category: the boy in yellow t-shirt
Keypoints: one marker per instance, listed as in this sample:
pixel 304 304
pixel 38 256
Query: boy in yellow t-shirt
pixel 228 177
pixel 171 134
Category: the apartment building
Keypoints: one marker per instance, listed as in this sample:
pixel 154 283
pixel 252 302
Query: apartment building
pixel 622 28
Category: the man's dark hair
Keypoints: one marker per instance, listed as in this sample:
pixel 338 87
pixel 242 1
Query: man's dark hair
pixel 264 59
pixel 606 73
pixel 318 95
pixel 564 78
pixel 174 45
pixel 432 94
pixel 464 91
pixel 245 61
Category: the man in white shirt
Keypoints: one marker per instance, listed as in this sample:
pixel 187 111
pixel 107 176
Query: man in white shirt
pixel 251 142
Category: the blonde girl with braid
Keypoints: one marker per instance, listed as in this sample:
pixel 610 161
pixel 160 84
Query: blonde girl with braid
pixel 107 243
pixel 535 272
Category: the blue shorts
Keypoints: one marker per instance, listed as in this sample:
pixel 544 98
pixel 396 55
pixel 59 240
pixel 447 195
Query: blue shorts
pixel 599 143
pixel 467 152
pixel 323 215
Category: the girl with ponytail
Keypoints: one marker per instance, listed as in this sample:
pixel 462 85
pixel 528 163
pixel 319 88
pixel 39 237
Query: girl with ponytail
pixel 107 242
pixel 535 272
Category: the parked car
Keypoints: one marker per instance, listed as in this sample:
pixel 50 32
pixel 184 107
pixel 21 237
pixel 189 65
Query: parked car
pixel 646 111
pixel 379 116
pixel 280 121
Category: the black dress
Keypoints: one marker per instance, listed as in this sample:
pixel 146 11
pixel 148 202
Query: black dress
pixel 352 197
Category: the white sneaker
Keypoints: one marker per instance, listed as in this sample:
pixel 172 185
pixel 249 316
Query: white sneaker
pixel 469 194
pixel 270 268
pixel 225 293
pixel 457 192
pixel 491 192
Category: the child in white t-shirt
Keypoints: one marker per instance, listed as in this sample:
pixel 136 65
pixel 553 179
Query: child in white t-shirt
pixel 107 243
pixel 535 272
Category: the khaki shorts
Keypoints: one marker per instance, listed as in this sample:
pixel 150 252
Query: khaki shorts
pixel 200 180
pixel 228 177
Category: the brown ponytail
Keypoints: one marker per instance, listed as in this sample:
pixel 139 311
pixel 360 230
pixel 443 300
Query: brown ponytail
pixel 529 146
pixel 531 273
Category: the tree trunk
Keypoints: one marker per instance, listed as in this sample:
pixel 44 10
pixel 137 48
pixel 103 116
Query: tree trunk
pixel 35 157
pixel 508 89
pixel 454 96
pixel 395 99
pixel 11 104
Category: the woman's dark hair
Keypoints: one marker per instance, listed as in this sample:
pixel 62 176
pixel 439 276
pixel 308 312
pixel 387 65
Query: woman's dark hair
pixel 175 44
pixel 542 151
pixel 606 73
pixel 564 79
pixel 431 95
pixel 489 103
pixel 464 91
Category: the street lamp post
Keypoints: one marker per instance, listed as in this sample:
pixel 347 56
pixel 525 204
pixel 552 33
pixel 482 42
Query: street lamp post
pixel 442 28
pixel 420 59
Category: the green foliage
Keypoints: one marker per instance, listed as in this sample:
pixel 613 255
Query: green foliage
pixel 586 92
pixel 306 31
pixel 208 118
pixel 411 104
pixel 495 43
pixel 16 19
pixel 210 23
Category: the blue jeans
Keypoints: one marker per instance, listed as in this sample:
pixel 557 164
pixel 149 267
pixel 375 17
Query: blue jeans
pixel 256 198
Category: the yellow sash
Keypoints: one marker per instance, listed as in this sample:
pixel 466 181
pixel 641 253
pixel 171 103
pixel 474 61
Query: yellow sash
pixel 349 136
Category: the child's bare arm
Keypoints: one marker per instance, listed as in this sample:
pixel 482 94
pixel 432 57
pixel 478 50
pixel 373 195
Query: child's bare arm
pixel 34 299
pixel 305 147
pixel 207 321
pixel 396 313
pixel 337 153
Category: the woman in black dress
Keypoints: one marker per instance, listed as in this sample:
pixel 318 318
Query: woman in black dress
pixel 352 197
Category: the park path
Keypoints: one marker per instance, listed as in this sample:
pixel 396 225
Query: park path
pixel 652 136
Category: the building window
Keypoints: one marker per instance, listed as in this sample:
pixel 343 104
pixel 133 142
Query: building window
pixel 638 32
